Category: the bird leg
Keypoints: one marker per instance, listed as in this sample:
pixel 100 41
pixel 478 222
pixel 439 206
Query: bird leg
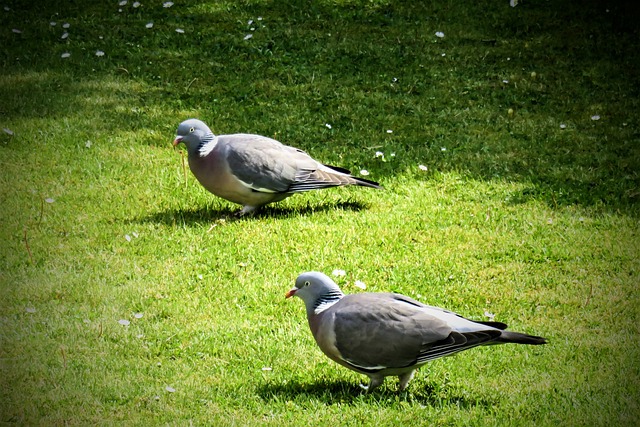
pixel 405 378
pixel 246 210
pixel 373 383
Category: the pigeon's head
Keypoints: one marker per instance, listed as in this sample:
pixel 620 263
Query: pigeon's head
pixel 194 133
pixel 314 287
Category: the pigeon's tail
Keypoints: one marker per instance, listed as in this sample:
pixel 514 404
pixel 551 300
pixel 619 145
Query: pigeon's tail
pixel 519 338
pixel 358 181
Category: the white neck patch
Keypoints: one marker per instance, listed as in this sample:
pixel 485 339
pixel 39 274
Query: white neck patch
pixel 325 305
pixel 208 147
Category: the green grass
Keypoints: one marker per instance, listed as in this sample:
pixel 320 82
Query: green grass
pixel 514 215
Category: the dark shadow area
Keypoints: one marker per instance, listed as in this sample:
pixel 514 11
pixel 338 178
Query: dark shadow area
pixel 486 100
pixel 345 392
pixel 208 214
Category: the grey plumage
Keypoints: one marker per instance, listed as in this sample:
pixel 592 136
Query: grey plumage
pixel 387 334
pixel 254 170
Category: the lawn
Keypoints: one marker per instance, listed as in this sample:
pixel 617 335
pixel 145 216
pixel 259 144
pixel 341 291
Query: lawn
pixel 508 143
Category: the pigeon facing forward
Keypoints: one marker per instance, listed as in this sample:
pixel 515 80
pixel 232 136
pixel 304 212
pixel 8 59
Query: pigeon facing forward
pixel 254 170
pixel 386 334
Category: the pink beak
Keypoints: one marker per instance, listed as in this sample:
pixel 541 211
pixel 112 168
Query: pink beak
pixel 177 141
pixel 291 293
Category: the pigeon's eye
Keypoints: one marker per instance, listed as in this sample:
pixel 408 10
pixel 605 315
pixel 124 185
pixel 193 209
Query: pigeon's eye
pixel 191 130
pixel 307 283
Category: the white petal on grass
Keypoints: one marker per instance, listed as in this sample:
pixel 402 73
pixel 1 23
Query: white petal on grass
pixel 443 148
pixel 7 131
pixel 16 31
pixel 513 3
pixel 53 23
pixel 88 144
pixel 136 4
pixel 439 34
pixel 563 126
pixel 249 22
pixel 170 389
pixel 64 35
pixel 489 314
pixel 167 4
pixel 505 81
pixel 99 53
pixel 364 172
pixel 122 3
pixel 338 273
pixel 124 322
pixel 7 9
pixel 444 54
pixel 595 117
pixel 49 200
pixel 66 25
pixel 328 125
pixel 138 315
pixel 259 18
pixel 248 36
pixel 360 284
pixel 267 368
pixel 379 154
pixel 389 131
pixel 179 30
pixel 127 237
pixel 149 25
pixel 423 167
pixel 30 310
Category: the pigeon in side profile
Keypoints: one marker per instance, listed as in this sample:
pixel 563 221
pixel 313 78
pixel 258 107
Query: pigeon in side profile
pixel 386 334
pixel 254 170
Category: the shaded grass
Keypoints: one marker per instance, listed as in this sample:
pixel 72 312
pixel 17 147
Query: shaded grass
pixel 517 217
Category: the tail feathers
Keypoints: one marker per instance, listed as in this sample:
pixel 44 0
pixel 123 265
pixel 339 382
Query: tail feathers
pixel 519 338
pixel 358 181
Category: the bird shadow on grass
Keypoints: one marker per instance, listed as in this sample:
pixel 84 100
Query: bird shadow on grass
pixel 207 214
pixel 347 392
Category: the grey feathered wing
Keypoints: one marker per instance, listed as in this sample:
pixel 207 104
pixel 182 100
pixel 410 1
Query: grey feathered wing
pixel 266 165
pixel 378 331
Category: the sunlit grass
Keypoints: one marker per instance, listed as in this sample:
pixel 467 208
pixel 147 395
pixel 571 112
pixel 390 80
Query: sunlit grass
pixel 490 208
